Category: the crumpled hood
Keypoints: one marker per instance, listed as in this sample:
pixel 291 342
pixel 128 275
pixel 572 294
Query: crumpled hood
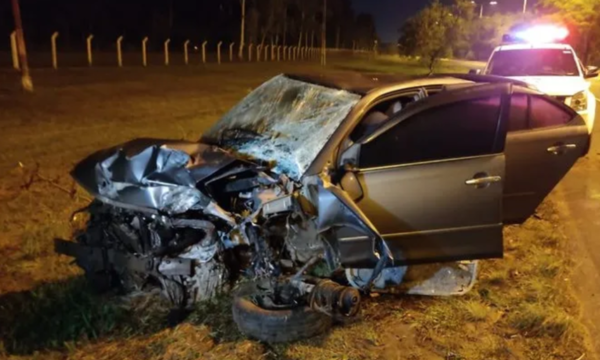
pixel 556 85
pixel 152 173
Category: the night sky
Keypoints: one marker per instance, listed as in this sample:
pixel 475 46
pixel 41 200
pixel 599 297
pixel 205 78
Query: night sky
pixel 390 14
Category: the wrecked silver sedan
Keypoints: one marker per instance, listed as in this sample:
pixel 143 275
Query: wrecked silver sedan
pixel 315 189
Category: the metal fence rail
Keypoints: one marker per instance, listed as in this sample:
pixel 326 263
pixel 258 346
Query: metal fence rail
pixel 127 53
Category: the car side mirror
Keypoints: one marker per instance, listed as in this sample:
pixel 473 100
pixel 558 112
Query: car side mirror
pixel 591 72
pixel 475 72
pixel 351 185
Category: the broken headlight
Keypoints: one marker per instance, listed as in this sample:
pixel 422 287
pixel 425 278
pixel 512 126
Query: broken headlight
pixel 579 101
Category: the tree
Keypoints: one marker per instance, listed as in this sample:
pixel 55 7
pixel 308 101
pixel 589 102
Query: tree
pixel 463 27
pixel 487 32
pixel 430 34
pixel 454 30
pixel 364 31
pixel 272 14
pixel 582 17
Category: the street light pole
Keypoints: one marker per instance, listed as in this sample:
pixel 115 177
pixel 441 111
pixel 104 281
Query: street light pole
pixel 25 77
pixel 492 3
pixel 242 29
pixel 324 35
pixel 524 6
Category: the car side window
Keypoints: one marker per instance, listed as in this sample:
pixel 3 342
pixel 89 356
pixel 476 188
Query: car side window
pixel 384 111
pixel 543 113
pixel 461 129
pixel 534 112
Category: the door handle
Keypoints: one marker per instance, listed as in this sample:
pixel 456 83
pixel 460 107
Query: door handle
pixel 561 148
pixel 484 181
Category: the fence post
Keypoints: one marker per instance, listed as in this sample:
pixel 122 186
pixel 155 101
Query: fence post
pixel 144 53
pixel 294 53
pixel 279 53
pixel 14 51
pixel 231 51
pixel 241 53
pixel 250 52
pixel 258 52
pixel 119 53
pixel 54 56
pixel 219 52
pixel 204 52
pixel 185 51
pixel 167 52
pixel 267 53
pixel 273 48
pixel 89 49
pixel 284 52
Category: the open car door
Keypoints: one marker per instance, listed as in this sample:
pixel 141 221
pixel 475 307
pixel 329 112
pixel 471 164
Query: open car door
pixel 430 179
pixel 545 139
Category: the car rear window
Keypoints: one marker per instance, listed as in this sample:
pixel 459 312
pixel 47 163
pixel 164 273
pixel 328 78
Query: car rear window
pixel 534 112
pixel 543 113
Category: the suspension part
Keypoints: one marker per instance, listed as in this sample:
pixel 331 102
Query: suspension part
pixel 332 298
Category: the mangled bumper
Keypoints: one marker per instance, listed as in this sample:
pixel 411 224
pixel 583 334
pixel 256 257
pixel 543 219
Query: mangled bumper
pixel 100 259
pixel 152 174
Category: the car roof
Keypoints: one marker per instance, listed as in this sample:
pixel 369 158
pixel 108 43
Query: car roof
pixel 526 46
pixel 355 82
pixel 363 84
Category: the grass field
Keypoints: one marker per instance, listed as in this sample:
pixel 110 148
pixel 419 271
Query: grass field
pixel 521 308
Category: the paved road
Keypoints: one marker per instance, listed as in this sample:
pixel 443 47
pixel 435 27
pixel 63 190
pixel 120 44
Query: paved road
pixel 578 197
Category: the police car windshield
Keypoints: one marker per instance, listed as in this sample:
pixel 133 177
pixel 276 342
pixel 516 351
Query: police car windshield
pixel 533 62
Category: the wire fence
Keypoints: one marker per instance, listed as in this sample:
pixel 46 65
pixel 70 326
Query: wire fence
pixel 126 54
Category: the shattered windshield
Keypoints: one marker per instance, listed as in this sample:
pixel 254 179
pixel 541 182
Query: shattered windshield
pixel 284 121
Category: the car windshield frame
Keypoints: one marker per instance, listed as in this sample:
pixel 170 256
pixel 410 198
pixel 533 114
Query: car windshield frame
pixel 284 123
pixel 530 61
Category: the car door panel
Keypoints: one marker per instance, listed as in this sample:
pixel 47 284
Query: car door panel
pixel 428 211
pixel 398 199
pixel 536 161
pixel 437 209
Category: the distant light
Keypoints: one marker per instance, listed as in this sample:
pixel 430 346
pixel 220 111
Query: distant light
pixel 493 3
pixel 543 34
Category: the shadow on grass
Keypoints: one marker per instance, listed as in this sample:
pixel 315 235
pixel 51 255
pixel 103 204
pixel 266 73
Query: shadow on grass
pixel 58 315
pixel 52 315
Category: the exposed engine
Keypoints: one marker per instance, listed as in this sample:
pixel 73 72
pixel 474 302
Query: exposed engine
pixel 246 222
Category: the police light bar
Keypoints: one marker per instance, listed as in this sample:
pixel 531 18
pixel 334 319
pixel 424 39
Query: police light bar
pixel 538 34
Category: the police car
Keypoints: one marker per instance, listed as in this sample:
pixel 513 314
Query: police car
pixel 538 56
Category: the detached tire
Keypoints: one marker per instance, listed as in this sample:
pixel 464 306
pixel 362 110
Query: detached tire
pixel 275 326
